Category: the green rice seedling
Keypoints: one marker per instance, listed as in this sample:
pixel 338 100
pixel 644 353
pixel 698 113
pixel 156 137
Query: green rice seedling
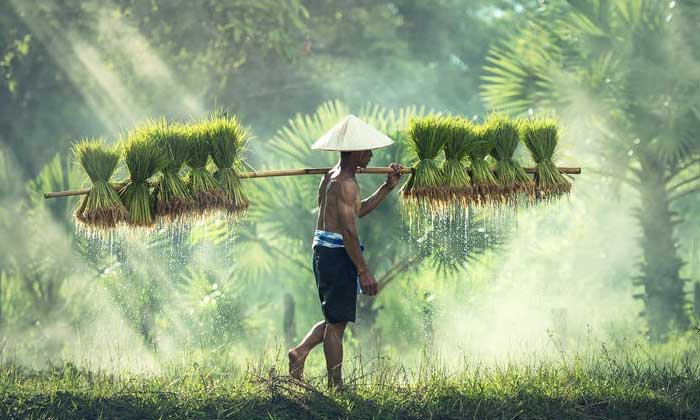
pixel 460 137
pixel 541 137
pixel 484 185
pixel 101 207
pixel 426 138
pixel 173 197
pixel 228 139
pixel 511 177
pixel 206 190
pixel 143 157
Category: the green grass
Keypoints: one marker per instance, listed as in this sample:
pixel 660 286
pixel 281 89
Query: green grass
pixel 574 389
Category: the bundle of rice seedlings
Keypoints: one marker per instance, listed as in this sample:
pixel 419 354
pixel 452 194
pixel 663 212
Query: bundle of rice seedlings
pixel 484 186
pixel 205 189
pixel 541 137
pixel 228 139
pixel 143 157
pixel 511 177
pixel 101 207
pixel 173 198
pixel 460 137
pixel 426 138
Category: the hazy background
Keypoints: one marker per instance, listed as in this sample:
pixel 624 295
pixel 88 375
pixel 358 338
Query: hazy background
pixel 615 262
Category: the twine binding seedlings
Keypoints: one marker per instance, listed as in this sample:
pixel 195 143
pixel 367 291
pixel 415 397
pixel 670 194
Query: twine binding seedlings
pixel 460 137
pixel 228 139
pixel 426 138
pixel 143 158
pixel 541 137
pixel 101 208
pixel 206 190
pixel 484 185
pixel 510 175
pixel 173 197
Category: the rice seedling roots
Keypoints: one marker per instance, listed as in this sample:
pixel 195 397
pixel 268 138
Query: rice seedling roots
pixel 104 218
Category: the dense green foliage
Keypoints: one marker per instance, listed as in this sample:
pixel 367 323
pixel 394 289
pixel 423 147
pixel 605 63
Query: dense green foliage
pixel 265 60
pixel 625 74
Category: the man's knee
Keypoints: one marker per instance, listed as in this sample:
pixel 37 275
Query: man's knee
pixel 336 328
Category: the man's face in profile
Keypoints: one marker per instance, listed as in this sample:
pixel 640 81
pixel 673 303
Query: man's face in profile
pixel 365 158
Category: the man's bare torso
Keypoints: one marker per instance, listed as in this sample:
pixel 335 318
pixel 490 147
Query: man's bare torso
pixel 329 197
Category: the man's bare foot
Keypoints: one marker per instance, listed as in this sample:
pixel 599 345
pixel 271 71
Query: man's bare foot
pixel 296 364
pixel 335 384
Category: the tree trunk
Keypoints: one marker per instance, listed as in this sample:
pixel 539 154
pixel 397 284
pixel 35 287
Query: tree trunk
pixel 289 320
pixel 664 290
pixel 148 323
pixel 428 318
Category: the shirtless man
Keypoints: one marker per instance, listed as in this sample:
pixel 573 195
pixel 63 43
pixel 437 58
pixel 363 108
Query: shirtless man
pixel 338 261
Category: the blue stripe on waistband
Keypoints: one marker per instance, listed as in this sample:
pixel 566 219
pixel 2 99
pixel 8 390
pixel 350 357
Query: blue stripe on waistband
pixel 330 240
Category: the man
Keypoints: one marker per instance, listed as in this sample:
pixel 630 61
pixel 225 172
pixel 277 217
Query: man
pixel 337 252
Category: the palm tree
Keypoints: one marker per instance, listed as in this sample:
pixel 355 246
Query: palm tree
pixel 628 70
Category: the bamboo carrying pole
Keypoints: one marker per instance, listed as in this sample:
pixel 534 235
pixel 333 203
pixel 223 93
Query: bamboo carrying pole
pixel 303 171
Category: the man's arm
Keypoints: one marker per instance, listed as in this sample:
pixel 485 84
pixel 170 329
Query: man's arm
pixel 347 221
pixel 370 203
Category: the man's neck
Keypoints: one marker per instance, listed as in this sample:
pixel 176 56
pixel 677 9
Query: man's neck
pixel 348 167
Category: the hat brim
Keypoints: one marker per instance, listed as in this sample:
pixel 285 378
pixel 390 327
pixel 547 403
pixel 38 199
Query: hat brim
pixel 352 135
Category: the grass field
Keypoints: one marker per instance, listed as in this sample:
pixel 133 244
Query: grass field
pixel 572 388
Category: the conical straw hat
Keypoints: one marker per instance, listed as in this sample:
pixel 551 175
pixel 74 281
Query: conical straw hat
pixel 352 134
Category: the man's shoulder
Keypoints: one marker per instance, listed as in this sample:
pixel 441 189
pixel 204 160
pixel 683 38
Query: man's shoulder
pixel 343 184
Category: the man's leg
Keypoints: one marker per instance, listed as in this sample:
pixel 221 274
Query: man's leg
pixel 297 355
pixel 333 349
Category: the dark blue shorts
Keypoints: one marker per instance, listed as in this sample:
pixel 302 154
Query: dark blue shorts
pixel 336 279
